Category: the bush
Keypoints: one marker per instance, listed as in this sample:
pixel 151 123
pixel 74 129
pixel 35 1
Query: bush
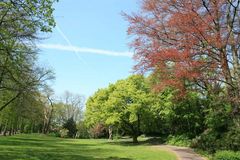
pixel 117 136
pixel 82 130
pixel 70 125
pixel 98 131
pixel 54 134
pixel 212 140
pixel 207 141
pixel 231 140
pixel 227 155
pixel 63 133
pixel 178 140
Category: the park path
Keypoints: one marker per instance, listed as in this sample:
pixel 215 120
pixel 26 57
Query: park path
pixel 183 153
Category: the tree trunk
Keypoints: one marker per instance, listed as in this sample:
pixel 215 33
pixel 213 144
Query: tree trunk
pixel 5 131
pixel 49 118
pixel 110 130
pixel 135 140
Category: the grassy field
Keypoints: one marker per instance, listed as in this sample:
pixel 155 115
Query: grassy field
pixel 41 147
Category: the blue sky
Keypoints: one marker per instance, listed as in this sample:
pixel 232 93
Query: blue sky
pixel 88 48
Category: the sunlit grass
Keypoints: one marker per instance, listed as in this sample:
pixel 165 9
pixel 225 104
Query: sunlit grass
pixel 41 147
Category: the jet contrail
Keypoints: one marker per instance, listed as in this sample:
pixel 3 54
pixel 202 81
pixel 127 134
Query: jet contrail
pixel 70 44
pixel 85 50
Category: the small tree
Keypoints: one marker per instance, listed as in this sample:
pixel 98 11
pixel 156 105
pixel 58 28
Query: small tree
pixel 70 125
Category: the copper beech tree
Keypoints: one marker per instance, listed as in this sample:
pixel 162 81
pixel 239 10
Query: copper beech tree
pixel 187 42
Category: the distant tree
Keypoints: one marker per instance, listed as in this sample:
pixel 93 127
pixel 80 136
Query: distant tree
pixel 98 131
pixel 66 106
pixel 70 125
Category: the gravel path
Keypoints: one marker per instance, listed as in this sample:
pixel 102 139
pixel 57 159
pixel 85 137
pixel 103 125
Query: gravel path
pixel 183 153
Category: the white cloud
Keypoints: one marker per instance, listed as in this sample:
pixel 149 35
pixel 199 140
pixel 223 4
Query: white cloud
pixel 84 50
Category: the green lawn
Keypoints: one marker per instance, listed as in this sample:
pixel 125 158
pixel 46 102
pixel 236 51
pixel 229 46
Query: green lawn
pixel 40 147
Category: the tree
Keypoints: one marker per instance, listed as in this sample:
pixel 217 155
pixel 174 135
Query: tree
pixel 73 104
pixel 24 115
pixel 190 42
pixel 124 104
pixel 48 110
pixel 20 22
pixel 68 106
pixel 70 125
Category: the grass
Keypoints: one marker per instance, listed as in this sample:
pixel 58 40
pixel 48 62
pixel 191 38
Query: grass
pixel 41 147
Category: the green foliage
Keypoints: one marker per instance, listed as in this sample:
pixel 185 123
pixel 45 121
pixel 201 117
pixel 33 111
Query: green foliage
pixel 226 155
pixel 70 125
pixel 58 134
pixel 64 133
pixel 206 141
pixel 177 116
pixel 231 139
pixel 178 140
pixel 82 130
pixel 21 77
pixel 218 114
pixel 125 104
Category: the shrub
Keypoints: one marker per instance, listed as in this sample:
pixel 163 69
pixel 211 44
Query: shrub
pixel 226 155
pixel 70 125
pixel 27 129
pixel 98 131
pixel 82 130
pixel 117 136
pixel 231 140
pixel 63 133
pixel 54 134
pixel 178 140
pixel 207 141
pixel 211 140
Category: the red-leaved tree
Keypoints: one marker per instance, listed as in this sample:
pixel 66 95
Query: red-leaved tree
pixel 189 42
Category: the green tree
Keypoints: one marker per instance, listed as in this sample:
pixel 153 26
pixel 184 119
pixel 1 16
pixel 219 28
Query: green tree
pixel 124 104
pixel 70 125
pixel 20 23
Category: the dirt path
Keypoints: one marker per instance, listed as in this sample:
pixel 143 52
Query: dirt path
pixel 183 153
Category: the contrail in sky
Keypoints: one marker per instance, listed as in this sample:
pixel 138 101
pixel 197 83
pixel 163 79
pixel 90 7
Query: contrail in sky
pixel 69 44
pixel 84 50
pixel 76 49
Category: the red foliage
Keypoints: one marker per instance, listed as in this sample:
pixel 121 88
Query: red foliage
pixel 185 40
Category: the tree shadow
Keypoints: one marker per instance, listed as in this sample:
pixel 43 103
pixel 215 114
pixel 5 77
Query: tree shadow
pixel 31 148
pixel 8 155
pixel 117 158
pixel 147 142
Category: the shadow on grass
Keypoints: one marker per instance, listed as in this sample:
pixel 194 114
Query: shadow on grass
pixel 38 142
pixel 149 141
pixel 52 156
pixel 45 148
pixel 117 158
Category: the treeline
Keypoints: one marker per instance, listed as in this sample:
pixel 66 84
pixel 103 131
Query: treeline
pixel 59 116
pixel 130 107
pixel 23 81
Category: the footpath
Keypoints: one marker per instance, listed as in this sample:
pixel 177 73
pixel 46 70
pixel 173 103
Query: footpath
pixel 183 153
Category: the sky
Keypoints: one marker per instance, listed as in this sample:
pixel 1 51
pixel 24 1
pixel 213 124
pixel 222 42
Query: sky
pixel 88 49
